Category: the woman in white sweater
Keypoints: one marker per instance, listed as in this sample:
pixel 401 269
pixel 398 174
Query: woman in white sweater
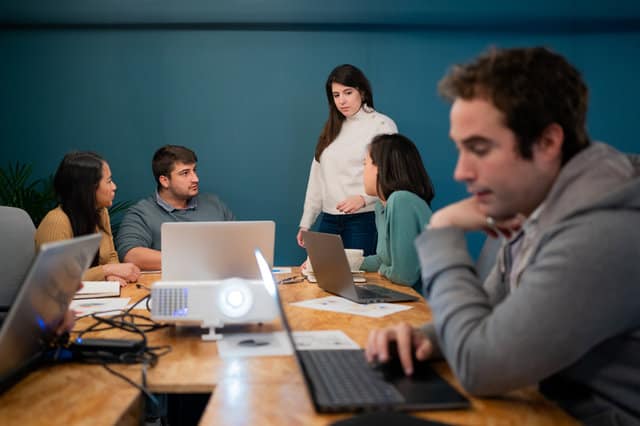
pixel 335 190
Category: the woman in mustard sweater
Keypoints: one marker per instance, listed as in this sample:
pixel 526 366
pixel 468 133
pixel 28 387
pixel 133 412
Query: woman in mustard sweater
pixel 85 190
pixel 393 171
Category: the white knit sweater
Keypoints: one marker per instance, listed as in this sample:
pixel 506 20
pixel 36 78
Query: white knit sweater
pixel 338 175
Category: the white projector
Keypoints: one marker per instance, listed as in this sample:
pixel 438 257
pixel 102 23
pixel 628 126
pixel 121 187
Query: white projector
pixel 212 304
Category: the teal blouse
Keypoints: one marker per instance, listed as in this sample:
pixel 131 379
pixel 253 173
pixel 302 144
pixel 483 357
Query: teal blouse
pixel 398 224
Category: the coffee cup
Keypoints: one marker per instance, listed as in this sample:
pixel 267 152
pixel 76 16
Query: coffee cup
pixel 307 266
pixel 355 257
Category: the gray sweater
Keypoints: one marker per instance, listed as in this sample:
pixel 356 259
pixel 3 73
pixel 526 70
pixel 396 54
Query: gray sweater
pixel 141 224
pixel 572 322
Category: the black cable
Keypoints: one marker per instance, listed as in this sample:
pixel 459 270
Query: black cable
pixel 142 388
pixel 126 321
pixel 148 296
pixel 138 285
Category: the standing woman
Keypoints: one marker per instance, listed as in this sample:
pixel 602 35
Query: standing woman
pixel 85 190
pixel 393 171
pixel 335 188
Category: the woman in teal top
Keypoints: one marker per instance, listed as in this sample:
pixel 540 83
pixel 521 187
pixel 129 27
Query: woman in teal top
pixel 394 172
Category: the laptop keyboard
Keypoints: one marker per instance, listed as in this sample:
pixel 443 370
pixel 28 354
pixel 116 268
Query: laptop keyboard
pixel 343 378
pixel 365 293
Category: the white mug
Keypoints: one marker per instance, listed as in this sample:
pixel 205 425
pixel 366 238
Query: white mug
pixel 355 258
pixel 307 266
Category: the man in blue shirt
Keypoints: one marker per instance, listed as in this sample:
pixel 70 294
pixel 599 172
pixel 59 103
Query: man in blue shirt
pixel 177 199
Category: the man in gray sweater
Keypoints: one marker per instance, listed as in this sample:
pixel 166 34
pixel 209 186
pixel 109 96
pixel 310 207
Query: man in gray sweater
pixel 560 308
pixel 177 199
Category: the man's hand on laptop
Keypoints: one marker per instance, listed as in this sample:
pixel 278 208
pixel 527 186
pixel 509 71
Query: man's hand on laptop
pixel 406 338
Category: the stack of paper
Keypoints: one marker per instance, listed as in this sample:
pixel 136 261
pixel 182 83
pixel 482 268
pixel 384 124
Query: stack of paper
pixel 338 304
pixel 93 289
pixel 103 306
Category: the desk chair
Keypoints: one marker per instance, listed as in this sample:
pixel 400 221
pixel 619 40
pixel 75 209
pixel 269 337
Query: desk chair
pixel 17 250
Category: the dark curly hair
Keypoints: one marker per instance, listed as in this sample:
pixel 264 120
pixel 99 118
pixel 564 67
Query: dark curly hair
pixel 532 87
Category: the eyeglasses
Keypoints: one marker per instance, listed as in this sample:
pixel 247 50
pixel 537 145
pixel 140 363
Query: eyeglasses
pixel 292 280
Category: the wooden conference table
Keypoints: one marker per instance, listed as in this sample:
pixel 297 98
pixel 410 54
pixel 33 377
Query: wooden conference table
pixel 245 391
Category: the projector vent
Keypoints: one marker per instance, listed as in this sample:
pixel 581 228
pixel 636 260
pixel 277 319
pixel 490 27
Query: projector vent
pixel 170 302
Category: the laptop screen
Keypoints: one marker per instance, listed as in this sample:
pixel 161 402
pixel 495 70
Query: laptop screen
pixel 41 303
pixel 272 289
pixel 193 251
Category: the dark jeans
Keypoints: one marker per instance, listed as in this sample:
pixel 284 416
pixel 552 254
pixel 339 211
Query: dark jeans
pixel 358 231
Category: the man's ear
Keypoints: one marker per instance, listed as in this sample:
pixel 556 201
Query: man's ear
pixel 549 145
pixel 164 181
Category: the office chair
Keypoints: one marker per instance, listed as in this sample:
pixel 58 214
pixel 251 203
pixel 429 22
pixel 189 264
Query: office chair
pixel 17 250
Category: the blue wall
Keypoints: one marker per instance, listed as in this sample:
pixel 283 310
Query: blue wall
pixel 250 100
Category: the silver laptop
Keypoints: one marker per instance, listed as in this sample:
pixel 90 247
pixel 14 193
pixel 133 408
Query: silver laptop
pixel 342 380
pixel 41 303
pixel 331 268
pixel 194 251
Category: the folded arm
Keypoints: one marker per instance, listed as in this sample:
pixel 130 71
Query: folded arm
pixel 496 348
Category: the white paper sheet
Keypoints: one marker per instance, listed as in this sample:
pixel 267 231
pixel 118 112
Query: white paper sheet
pixel 254 344
pixel 339 304
pixel 277 343
pixel 322 340
pixel 93 289
pixel 104 305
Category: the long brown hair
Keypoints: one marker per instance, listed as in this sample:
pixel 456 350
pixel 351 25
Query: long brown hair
pixel 75 183
pixel 347 75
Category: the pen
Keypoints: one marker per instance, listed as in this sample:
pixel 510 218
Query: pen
pixel 291 280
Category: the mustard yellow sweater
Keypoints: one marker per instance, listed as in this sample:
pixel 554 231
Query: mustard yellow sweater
pixel 56 226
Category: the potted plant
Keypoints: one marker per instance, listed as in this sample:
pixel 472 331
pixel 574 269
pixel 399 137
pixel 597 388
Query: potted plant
pixel 19 189
pixel 37 196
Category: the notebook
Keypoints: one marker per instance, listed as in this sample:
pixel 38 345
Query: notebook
pixel 194 251
pixel 343 381
pixel 95 289
pixel 331 268
pixel 41 303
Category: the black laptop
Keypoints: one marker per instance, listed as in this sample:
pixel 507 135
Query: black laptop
pixel 41 303
pixel 343 381
pixel 331 268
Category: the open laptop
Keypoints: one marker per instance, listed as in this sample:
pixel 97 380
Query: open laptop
pixel 194 251
pixel 342 380
pixel 331 268
pixel 41 303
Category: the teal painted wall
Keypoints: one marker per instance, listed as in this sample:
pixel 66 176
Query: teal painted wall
pixel 250 102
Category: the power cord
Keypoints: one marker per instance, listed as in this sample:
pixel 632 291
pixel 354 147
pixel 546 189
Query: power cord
pixel 114 351
pixel 142 387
